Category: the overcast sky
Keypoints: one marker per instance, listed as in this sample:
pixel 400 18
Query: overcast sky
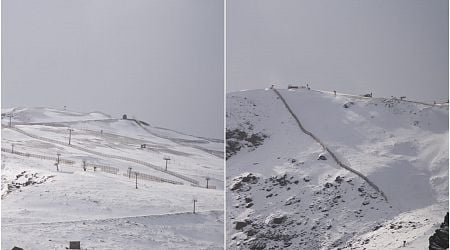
pixel 389 47
pixel 160 60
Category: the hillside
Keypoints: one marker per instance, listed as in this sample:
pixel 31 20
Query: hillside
pixel 350 173
pixel 45 206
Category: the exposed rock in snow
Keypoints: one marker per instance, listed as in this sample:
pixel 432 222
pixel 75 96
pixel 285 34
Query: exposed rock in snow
pixel 400 146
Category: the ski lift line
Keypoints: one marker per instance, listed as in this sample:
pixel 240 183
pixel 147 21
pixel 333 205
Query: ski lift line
pixel 108 156
pixel 216 153
pixel 42 157
pixel 148 177
pixel 106 169
pixel 335 158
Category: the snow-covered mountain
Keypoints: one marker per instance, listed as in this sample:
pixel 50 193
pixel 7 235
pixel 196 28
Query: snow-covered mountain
pixel 309 169
pixel 91 196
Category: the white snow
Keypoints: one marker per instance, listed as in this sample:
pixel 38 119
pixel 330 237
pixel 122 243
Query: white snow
pixel 401 146
pixel 45 209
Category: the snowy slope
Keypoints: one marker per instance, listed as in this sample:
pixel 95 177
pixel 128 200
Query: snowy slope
pixel 282 195
pixel 101 121
pixel 36 115
pixel 101 209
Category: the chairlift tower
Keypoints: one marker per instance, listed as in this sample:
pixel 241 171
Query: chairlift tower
pixel 166 159
pixel 136 179
pixel 129 172
pixel 57 161
pixel 70 134
pixel 195 200
pixel 10 115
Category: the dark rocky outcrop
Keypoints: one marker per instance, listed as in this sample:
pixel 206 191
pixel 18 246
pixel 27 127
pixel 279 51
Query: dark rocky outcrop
pixel 240 224
pixel 237 139
pixel 240 181
pixel 439 240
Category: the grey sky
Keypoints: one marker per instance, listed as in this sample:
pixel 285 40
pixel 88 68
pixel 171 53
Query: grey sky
pixel 390 47
pixel 161 60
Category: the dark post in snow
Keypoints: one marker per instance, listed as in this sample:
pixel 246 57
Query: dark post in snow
pixel 70 134
pixel 12 148
pixel 129 172
pixel 166 159
pixel 195 200
pixel 207 181
pixel 136 179
pixel 84 165
pixel 57 161
pixel 10 115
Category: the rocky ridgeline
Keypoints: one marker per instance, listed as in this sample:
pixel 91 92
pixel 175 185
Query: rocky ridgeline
pixel 295 213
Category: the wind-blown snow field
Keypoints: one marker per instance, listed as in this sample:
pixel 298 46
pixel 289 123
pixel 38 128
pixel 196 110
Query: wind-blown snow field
pixel 43 208
pixel 279 193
